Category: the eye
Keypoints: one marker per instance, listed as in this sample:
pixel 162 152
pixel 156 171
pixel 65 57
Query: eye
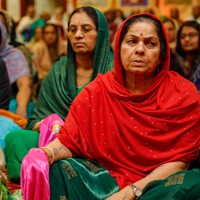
pixel 134 41
pixel 72 29
pixel 87 28
pixel 151 43
pixel 131 40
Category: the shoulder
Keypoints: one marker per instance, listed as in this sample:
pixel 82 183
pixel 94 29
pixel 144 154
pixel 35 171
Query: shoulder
pixel 178 85
pixel 59 68
pixel 61 62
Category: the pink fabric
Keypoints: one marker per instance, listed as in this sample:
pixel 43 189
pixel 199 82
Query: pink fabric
pixel 49 129
pixel 35 170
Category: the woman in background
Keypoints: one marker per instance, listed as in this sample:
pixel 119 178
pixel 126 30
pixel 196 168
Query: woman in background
pixel 188 47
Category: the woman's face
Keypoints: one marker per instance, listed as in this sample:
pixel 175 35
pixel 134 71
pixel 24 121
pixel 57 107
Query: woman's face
pixel 189 38
pixel 140 49
pixel 38 33
pixel 50 35
pixel 82 33
pixel 171 31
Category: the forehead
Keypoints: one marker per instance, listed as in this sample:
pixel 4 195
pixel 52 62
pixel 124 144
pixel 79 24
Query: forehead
pixel 49 28
pixel 80 19
pixel 188 29
pixel 143 28
pixel 168 23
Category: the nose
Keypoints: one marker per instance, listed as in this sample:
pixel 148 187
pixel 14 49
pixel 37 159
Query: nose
pixel 78 33
pixel 140 48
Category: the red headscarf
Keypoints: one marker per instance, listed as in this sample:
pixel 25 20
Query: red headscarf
pixel 131 135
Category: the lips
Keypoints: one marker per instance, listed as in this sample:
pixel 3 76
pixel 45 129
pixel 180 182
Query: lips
pixel 138 61
pixel 79 44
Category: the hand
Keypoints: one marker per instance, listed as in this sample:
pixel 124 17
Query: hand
pixel 124 194
pixel 37 126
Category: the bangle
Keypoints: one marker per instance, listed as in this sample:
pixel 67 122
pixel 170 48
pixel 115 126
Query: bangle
pixel 44 149
pixel 136 191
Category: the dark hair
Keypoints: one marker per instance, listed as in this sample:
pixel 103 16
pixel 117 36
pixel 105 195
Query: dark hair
pixel 50 24
pixel 166 19
pixel 56 28
pixel 159 30
pixel 89 11
pixel 193 24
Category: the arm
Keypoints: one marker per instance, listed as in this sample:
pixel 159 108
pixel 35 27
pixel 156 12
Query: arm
pixel 159 173
pixel 23 95
pixel 56 151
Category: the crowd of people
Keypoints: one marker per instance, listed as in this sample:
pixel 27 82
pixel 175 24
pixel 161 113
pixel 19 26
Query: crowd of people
pixel 104 101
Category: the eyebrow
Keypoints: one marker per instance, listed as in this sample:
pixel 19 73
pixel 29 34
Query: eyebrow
pixel 147 37
pixel 81 25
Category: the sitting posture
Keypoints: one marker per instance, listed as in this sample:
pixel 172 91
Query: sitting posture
pixel 127 128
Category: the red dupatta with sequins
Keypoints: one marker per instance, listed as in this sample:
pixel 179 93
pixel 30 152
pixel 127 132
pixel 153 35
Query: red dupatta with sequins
pixel 131 135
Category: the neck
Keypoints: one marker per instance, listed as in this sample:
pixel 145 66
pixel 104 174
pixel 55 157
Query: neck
pixel 137 84
pixel 191 55
pixel 84 62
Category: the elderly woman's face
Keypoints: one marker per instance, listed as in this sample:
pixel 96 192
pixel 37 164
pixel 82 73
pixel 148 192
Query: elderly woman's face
pixel 82 33
pixel 140 49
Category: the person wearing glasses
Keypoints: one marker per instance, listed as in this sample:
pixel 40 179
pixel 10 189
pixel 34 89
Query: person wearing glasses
pixel 130 134
pixel 188 47
pixel 88 54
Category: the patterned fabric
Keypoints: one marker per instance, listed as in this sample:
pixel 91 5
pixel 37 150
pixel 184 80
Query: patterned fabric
pixel 181 185
pixel 132 134
pixel 5 193
pixel 81 179
pixel 13 40
pixel 16 63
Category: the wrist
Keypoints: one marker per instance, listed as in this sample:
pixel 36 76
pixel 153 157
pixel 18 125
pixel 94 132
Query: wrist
pixel 137 192
pixel 49 154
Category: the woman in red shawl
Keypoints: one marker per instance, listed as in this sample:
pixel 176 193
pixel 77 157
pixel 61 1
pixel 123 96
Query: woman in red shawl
pixel 140 123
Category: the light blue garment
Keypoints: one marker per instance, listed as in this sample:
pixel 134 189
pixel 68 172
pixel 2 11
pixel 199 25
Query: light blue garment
pixel 7 125
pixel 13 107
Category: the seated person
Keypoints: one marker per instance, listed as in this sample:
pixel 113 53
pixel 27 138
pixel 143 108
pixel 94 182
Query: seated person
pixel 19 75
pixel 125 129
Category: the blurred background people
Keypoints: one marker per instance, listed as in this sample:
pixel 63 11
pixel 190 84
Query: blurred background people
pixel 188 47
pixel 195 15
pixel 175 15
pixel 19 75
pixel 175 62
pixel 59 19
pixel 26 21
pixel 46 51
